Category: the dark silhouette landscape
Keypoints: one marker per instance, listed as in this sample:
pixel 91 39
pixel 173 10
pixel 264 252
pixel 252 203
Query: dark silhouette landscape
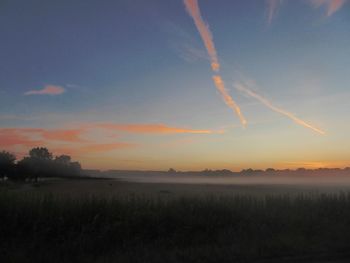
pixel 174 131
pixel 54 210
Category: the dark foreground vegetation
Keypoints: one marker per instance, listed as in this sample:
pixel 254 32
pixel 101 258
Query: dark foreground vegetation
pixel 44 228
pixel 39 163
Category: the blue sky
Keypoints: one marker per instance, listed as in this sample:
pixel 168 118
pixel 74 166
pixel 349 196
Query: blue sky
pixel 144 62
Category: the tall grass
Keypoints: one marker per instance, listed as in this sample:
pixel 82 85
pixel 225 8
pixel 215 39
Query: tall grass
pixel 242 228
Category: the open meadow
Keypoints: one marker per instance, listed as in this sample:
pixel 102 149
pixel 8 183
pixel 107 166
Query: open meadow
pixel 112 220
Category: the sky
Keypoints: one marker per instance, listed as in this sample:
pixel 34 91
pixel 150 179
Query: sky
pixel 184 84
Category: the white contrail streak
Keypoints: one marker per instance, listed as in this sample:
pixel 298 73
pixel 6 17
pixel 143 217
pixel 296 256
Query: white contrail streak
pixel 227 98
pixel 272 8
pixel 193 9
pixel 243 88
pixel 332 5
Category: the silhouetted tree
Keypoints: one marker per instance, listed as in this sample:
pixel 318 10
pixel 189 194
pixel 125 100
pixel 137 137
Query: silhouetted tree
pixel 7 164
pixel 40 153
pixel 302 169
pixel 63 166
pixel 172 171
pixel 63 160
pixel 224 172
pixel 75 168
pixel 247 171
pixel 40 162
pixel 24 170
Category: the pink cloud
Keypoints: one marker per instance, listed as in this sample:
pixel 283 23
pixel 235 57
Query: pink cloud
pixel 32 136
pixel 10 137
pixel 92 148
pixel 150 128
pixel 47 90
pixel 20 140
pixel 63 135
pixel 331 5
pixel 71 141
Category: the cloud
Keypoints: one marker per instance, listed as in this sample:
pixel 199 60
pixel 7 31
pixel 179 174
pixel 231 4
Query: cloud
pixel 203 29
pixel 30 136
pixel 272 9
pixel 26 138
pixel 190 53
pixel 227 98
pixel 331 5
pixel 10 137
pixel 47 90
pixel 243 87
pixel 72 141
pixel 193 9
pixel 93 148
pixel 63 135
pixel 151 128
pixel 21 140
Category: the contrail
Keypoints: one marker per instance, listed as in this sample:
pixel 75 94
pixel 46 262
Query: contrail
pixel 203 29
pixel 272 6
pixel 332 5
pixel 227 98
pixel 241 87
pixel 193 9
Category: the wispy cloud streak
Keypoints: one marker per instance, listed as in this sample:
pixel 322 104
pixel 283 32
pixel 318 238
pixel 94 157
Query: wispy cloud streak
pixel 203 29
pixel 227 98
pixel 151 129
pixel 63 135
pixel 272 8
pixel 81 140
pixel 331 5
pixel 244 88
pixel 47 90
pixel 10 137
pixel 94 148
pixel 193 9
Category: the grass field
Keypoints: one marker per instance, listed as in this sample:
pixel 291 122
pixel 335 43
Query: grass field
pixel 83 221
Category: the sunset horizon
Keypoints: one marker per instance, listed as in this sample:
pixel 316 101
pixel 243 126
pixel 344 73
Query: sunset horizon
pixel 186 85
pixel 180 131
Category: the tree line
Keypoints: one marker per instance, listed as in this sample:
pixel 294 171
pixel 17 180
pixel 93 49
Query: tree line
pixel 39 163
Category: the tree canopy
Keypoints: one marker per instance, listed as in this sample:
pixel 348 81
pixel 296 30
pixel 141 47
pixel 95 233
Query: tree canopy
pixel 7 163
pixel 38 163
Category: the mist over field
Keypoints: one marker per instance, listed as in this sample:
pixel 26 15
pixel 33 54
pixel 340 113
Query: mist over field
pixel 171 131
pixel 252 180
pixel 340 177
